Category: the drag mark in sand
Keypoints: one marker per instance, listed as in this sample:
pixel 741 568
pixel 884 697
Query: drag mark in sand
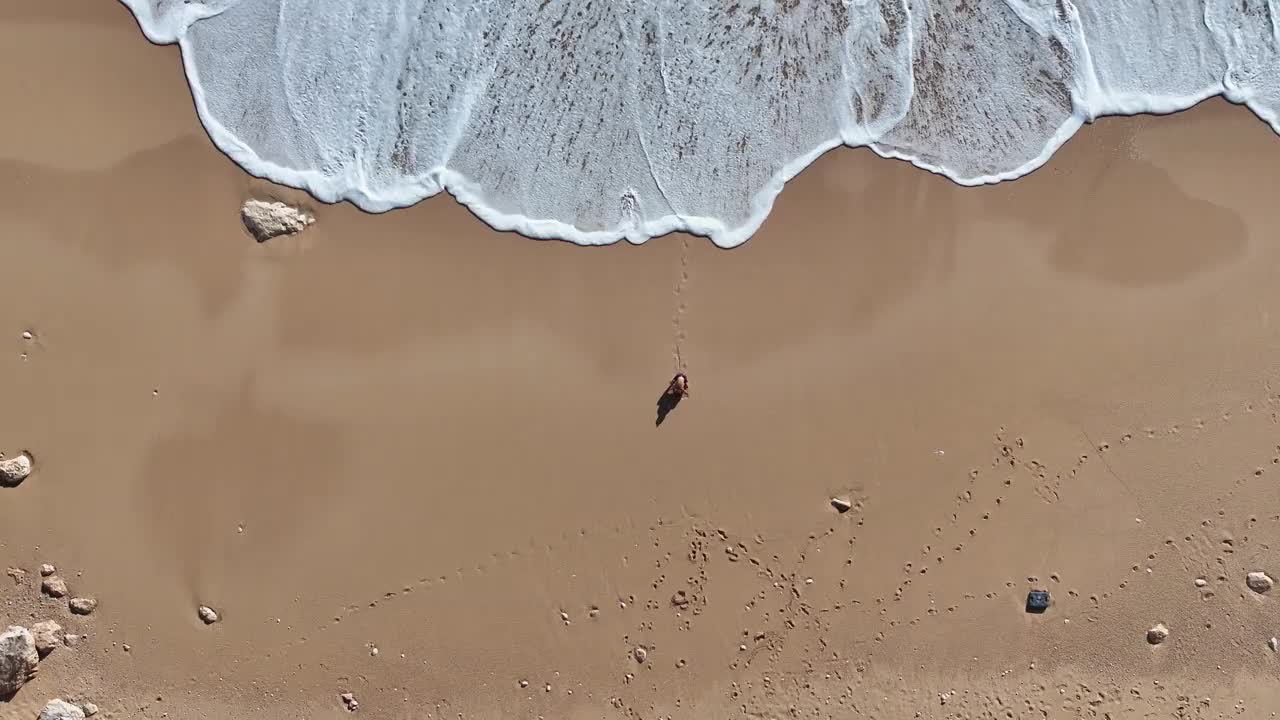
pixel 677 316
pixel 428 581
pixel 790 594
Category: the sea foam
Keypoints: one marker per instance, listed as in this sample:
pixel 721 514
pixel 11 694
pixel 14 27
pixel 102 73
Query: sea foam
pixel 598 120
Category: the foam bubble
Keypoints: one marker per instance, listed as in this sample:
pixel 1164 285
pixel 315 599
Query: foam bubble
pixel 595 121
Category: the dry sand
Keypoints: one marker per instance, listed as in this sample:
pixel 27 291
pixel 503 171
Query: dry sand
pixel 410 433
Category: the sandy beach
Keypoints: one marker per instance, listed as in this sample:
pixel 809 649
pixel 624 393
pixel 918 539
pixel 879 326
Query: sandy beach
pixel 409 458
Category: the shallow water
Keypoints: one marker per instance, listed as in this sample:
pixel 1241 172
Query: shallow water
pixel 593 122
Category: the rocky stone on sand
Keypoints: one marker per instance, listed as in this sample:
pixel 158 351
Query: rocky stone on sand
pixel 48 635
pixel 18 574
pixel 266 220
pixel 82 605
pixel 71 639
pixel 18 659
pixel 1274 644
pixel 14 470
pixel 1158 634
pixel 46 570
pixel 842 505
pixel 350 702
pixel 208 615
pixel 89 709
pixel 1201 582
pixel 61 710
pixel 54 586
pixel 1259 582
pixel 640 653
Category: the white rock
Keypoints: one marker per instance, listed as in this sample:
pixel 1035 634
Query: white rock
pixel 1274 644
pixel 71 639
pixel 350 701
pixel 266 220
pixel 1201 582
pixel 1158 634
pixel 208 615
pixel 48 635
pixel 18 659
pixel 1259 582
pixel 61 710
pixel 82 605
pixel 89 709
pixel 46 570
pixel 842 505
pixel 640 654
pixel 16 469
pixel 54 586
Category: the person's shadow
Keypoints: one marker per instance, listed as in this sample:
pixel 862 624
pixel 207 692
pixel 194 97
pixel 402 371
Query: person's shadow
pixel 667 402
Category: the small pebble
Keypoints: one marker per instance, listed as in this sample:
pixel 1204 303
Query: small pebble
pixel 16 469
pixel 349 700
pixel 89 709
pixel 1158 634
pixel 60 710
pixel 48 635
pixel 640 654
pixel 26 335
pixel 54 586
pixel 842 505
pixel 207 614
pixel 1201 582
pixel 82 605
pixel 1259 582
pixel 46 570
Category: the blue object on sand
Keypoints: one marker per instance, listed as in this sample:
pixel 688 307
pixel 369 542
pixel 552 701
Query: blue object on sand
pixel 1037 601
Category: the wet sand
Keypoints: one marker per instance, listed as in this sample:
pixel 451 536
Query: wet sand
pixel 409 432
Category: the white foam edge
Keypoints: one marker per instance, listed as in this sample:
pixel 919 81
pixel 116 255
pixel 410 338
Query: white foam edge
pixel 1101 103
pixel 172 31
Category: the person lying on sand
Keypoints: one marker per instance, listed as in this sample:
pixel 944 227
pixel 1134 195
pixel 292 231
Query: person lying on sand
pixel 679 386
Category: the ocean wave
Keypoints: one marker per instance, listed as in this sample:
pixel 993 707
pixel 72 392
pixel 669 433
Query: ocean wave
pixel 595 121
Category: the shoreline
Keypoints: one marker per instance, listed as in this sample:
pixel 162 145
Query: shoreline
pixel 1090 104
pixel 409 432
